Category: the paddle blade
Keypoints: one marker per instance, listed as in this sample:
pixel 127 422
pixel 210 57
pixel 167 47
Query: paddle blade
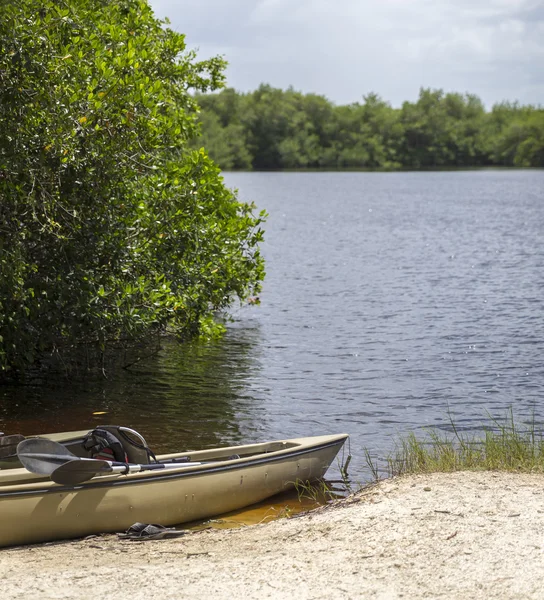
pixel 78 471
pixel 8 445
pixel 42 456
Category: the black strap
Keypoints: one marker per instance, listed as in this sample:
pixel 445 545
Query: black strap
pixel 99 439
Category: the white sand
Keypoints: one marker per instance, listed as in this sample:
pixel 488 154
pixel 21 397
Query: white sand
pixel 463 535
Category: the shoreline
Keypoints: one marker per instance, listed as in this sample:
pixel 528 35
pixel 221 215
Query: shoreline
pixel 450 535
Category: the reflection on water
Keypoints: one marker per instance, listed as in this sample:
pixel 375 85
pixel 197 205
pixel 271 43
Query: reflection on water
pixel 187 397
pixel 393 301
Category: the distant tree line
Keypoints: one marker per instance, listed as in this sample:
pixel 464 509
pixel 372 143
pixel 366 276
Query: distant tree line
pixel 271 128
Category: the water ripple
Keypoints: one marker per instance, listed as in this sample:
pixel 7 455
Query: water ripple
pixel 393 302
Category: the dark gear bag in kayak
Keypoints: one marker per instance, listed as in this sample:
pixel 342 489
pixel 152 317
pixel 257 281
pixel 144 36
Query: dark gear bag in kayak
pixel 103 445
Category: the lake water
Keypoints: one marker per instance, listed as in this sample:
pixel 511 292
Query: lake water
pixel 392 302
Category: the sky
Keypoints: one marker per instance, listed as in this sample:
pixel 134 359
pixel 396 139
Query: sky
pixel 345 49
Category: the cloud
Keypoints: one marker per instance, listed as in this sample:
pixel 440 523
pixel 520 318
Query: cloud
pixel 344 49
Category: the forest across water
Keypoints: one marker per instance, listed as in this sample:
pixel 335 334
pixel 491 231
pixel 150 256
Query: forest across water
pixel 271 128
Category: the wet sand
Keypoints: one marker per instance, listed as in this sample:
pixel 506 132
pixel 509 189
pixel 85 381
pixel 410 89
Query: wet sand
pixel 462 535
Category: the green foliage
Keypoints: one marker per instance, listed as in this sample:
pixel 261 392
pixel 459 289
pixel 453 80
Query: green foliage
pixel 274 129
pixel 439 130
pixel 111 226
pixel 521 139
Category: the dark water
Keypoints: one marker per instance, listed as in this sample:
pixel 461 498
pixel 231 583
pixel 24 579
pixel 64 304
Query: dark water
pixel 392 301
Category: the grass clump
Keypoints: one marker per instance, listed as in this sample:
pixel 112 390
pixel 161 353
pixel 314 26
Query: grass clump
pixel 501 446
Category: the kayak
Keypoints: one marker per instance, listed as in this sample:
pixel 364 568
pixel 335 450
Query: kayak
pixel 34 508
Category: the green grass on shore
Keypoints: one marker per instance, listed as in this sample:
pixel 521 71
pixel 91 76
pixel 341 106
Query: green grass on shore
pixel 501 446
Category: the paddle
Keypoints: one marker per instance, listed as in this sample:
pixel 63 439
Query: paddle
pixel 8 445
pixel 43 456
pixel 46 457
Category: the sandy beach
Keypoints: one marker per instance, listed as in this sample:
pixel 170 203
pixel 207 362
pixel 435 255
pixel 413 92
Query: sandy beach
pixel 462 535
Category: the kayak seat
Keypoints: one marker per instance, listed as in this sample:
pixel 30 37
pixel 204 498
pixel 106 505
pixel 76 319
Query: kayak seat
pixel 127 445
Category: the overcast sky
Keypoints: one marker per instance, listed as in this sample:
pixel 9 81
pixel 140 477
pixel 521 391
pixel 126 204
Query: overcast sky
pixel 344 49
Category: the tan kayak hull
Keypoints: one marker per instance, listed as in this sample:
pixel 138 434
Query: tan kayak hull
pixel 41 511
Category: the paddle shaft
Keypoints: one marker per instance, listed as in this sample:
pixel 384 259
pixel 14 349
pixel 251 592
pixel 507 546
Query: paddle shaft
pixel 126 468
pixel 79 470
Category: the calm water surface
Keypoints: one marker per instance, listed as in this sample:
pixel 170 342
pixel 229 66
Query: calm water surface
pixel 392 300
